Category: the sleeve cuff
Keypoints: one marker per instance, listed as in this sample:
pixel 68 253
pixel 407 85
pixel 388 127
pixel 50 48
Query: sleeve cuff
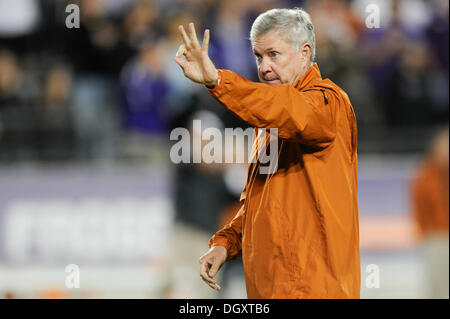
pixel 218 84
pixel 219 241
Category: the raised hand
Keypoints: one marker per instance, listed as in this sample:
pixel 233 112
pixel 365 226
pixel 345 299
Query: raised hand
pixel 197 66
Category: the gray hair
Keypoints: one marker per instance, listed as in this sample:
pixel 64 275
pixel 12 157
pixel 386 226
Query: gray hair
pixel 294 24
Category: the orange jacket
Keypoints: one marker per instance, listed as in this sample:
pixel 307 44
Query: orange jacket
pixel 430 199
pixel 298 228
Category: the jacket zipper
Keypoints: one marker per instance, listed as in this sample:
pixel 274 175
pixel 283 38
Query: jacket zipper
pixel 321 90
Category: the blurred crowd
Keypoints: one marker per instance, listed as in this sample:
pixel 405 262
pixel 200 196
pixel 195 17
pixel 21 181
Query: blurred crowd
pixel 74 93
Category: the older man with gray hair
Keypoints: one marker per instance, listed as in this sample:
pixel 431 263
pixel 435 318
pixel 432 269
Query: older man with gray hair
pixel 297 228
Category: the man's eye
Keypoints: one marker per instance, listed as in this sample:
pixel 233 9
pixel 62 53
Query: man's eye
pixel 273 53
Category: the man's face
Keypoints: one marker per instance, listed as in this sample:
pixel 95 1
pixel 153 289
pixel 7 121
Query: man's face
pixel 277 61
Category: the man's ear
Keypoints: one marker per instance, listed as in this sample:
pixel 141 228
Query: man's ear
pixel 306 51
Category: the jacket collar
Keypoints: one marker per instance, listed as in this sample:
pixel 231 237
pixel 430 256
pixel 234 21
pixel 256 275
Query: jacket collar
pixel 312 75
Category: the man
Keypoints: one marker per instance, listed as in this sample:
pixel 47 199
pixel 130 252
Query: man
pixel 297 228
pixel 429 195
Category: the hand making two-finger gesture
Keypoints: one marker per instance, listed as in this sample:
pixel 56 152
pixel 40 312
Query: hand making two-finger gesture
pixel 197 66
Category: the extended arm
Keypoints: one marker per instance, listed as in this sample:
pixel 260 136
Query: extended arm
pixel 308 117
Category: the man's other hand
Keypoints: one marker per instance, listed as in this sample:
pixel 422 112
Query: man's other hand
pixel 197 66
pixel 210 264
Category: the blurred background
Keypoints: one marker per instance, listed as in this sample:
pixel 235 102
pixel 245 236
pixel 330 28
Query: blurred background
pixel 85 119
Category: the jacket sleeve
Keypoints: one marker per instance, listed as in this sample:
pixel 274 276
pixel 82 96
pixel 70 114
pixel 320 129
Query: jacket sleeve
pixel 300 116
pixel 230 236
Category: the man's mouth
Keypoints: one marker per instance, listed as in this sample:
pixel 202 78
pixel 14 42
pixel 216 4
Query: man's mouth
pixel 271 80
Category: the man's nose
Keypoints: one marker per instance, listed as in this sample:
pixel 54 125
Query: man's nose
pixel 265 67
